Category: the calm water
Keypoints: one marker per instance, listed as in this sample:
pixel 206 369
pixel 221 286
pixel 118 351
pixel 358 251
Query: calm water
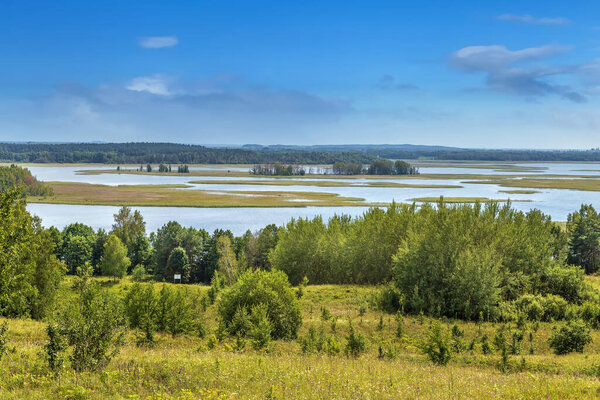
pixel 555 202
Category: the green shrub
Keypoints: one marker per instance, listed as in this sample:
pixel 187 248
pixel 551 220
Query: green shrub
pixel 502 345
pixel 212 341
pixel 573 336
pixel 457 339
pixel 54 348
pixel 313 342
pixel 567 281
pixel 138 273
pixel 389 299
pixel 325 314
pixel 532 306
pixel 332 347
pixel 542 308
pixel 356 343
pixel 260 332
pixel 269 290
pixel 437 346
pixel 590 313
pixel 3 331
pixel 180 311
pixel 93 326
pixel 485 344
pixel 400 326
pixel 240 323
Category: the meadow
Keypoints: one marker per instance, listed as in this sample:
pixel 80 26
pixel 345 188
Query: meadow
pixel 189 367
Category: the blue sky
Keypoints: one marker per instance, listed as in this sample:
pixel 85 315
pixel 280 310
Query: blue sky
pixel 462 73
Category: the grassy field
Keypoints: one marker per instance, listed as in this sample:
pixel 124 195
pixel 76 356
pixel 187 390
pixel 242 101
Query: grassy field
pixel 159 195
pixel 183 367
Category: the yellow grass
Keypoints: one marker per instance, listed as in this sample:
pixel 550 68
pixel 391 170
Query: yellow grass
pixel 183 367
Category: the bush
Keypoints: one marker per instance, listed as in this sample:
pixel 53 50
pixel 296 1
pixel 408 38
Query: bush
pixel 3 330
pixel 590 313
pixel 270 290
pixel 437 346
pixel 180 311
pixel 389 299
pixel 171 310
pixel 260 332
pixel 566 281
pixel 542 308
pixel 138 273
pixel 94 326
pixel 313 342
pixel 573 336
pixel 356 343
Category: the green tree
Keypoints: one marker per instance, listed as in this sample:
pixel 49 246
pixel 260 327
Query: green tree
pixel 228 265
pixel 140 254
pixel 128 226
pixel 114 261
pixel 29 270
pixel 584 238
pixel 178 263
pixel 98 248
pixel 77 251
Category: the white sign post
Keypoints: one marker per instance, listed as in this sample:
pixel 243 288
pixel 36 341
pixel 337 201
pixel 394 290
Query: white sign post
pixel 177 277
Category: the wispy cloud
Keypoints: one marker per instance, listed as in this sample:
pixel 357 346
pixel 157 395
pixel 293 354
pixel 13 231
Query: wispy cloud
pixel 505 72
pixel 223 108
pixel 158 42
pixel 528 19
pixel 389 82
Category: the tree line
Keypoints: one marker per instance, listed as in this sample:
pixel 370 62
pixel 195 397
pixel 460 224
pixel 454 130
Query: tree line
pixel 168 153
pixel 15 176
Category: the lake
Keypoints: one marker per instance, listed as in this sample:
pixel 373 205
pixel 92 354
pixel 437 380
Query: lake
pixel 558 203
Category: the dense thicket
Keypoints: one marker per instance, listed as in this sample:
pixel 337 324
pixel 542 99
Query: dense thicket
pixel 459 261
pixel 15 176
pixel 170 153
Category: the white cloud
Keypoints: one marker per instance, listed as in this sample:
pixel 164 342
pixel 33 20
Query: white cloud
pixel 155 84
pixel 158 42
pixel 528 19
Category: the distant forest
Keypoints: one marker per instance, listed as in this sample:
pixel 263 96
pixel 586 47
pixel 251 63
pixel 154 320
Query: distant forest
pixel 416 152
pixel 172 153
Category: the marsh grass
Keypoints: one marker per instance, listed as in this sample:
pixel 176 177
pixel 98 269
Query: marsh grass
pixel 159 195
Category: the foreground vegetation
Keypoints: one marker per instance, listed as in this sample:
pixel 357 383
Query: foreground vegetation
pixel 188 366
